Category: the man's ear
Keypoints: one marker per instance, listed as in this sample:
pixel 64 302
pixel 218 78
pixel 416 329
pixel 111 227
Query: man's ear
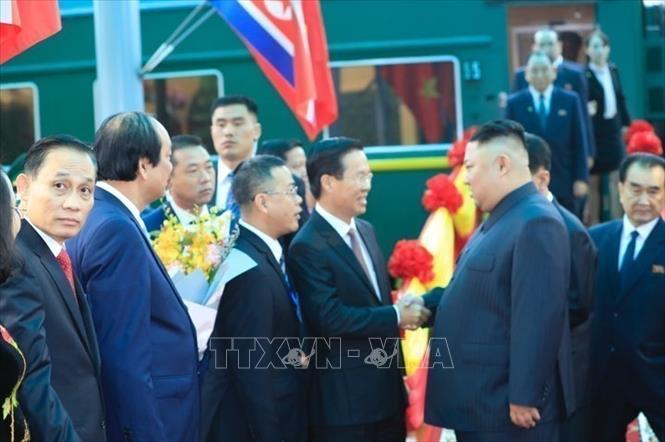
pixel 260 203
pixel 23 182
pixel 257 131
pixel 504 163
pixel 327 183
pixel 144 167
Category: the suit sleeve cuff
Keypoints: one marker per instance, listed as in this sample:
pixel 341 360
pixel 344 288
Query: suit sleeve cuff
pixel 397 313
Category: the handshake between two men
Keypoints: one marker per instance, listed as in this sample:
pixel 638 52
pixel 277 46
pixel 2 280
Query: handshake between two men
pixel 412 312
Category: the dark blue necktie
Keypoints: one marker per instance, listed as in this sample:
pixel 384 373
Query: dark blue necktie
pixel 231 203
pixel 542 112
pixel 295 299
pixel 628 260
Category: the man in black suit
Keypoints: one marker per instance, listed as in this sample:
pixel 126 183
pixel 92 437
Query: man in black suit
pixel 556 115
pixel 191 185
pixel 628 344
pixel 44 306
pixel 580 293
pixel 253 391
pixel 500 367
pixel 340 273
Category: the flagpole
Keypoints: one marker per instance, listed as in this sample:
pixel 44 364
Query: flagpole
pixel 118 87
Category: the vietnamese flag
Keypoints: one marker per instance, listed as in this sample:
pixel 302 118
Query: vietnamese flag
pixel 24 23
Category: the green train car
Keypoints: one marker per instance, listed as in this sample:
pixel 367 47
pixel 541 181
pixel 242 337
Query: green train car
pixel 410 76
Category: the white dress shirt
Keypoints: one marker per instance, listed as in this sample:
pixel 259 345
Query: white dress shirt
pixel 223 184
pixel 184 216
pixel 54 246
pixel 274 245
pixel 547 95
pixel 643 233
pixel 605 78
pixel 136 213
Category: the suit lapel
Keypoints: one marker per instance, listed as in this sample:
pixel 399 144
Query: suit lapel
pixel 263 248
pixel 377 262
pixel 344 251
pixel 35 243
pixel 653 245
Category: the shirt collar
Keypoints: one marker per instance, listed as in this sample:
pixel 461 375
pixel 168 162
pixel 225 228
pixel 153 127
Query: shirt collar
pixel 124 200
pixel 274 245
pixel 599 70
pixel 547 93
pixel 550 197
pixel 644 230
pixel 54 246
pixel 340 226
pixel 184 216
pixel 222 170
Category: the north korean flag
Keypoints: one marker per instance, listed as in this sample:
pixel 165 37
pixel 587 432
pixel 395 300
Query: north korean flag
pixel 287 40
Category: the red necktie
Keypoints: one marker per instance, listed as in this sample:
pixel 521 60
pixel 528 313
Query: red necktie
pixel 66 266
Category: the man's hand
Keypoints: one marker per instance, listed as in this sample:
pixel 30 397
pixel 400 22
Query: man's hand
pixel 412 312
pixel 580 188
pixel 525 417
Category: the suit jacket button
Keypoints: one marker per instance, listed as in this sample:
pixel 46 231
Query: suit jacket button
pixel 615 314
pixel 612 349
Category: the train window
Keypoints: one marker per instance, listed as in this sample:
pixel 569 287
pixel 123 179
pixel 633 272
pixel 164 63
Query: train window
pixel 397 102
pixel 19 119
pixel 181 100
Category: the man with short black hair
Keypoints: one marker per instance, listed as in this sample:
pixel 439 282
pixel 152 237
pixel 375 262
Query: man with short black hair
pixel 500 366
pixel 146 339
pixel 234 129
pixel 191 185
pixel 44 306
pixel 253 395
pixel 340 273
pixel 580 293
pixel 628 347
pixel 555 115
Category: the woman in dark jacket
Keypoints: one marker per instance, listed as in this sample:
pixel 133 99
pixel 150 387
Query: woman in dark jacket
pixel 12 363
pixel 607 107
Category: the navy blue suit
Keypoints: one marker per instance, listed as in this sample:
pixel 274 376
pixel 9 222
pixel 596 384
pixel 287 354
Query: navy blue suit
pixel 155 218
pixel 571 77
pixel 628 347
pixel 146 339
pixel 256 402
pixel 501 333
pixel 564 134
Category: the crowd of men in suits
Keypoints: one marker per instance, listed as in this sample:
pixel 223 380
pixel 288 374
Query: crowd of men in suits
pixel 545 332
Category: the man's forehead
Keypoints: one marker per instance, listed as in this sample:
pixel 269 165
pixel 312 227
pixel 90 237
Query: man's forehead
pixel 231 111
pixel 647 176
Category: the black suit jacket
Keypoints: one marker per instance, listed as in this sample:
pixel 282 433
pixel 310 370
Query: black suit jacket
pixel 501 333
pixel 243 399
pixel 580 300
pixel 155 218
pixel 61 395
pixel 609 142
pixel 628 346
pixel 340 305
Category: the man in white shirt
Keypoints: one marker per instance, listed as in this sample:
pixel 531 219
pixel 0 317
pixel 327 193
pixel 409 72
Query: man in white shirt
pixel 629 335
pixel 146 339
pixel 43 304
pixel 235 130
pixel 191 185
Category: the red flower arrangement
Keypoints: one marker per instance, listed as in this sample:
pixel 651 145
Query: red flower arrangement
pixel 456 154
pixel 635 127
pixel 411 260
pixel 647 142
pixel 441 192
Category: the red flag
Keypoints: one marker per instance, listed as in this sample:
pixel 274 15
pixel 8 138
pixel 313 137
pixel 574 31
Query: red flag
pixel 23 23
pixel 288 41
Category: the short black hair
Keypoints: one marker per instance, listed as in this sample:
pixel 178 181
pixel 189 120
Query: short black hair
pixel 644 160
pixel 8 256
pixel 37 153
pixel 499 129
pixel 539 152
pixel 121 141
pixel 229 100
pixel 184 141
pixel 279 147
pixel 253 176
pixel 326 159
